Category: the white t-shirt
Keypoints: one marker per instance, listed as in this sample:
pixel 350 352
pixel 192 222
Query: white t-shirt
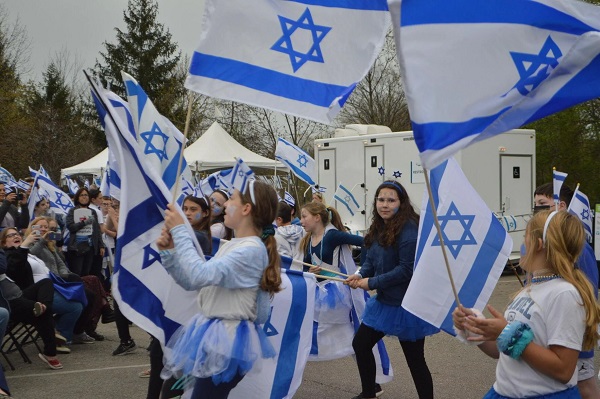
pixel 554 312
pixel 98 213
pixel 38 268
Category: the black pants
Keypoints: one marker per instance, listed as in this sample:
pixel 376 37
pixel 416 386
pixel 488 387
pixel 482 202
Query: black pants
pixel 363 343
pixel 122 325
pixel 21 310
pixel 206 389
pixel 80 264
pixel 157 388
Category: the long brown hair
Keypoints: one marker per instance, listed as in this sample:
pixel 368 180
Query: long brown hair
pixel 328 215
pixel 263 213
pixel 4 233
pixel 387 233
pixel 565 239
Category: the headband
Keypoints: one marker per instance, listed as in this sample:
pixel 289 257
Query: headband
pixel 393 184
pixel 546 226
pixel 251 189
pixel 225 193
pixel 203 198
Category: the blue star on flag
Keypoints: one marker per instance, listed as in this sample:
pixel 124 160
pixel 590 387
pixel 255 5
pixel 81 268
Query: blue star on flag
pixel 381 170
pixel 585 214
pixel 269 328
pixel 150 256
pixel 285 45
pixel 466 221
pixel 302 161
pixel 151 148
pixel 397 174
pixel 535 68
pixel 59 201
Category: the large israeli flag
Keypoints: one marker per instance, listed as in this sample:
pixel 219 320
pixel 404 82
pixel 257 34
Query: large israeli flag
pixel 159 139
pixel 300 163
pixel 300 57
pixel 580 207
pixel 289 329
pixel 473 69
pixel 476 243
pixel 42 188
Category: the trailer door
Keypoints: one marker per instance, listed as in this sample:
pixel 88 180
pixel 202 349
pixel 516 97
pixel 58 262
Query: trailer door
pixel 373 161
pixel 516 184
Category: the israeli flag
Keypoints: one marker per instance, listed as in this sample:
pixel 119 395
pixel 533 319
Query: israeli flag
pixel 289 329
pixel 72 184
pixel 5 175
pixel 476 243
pixel 23 185
pixel 558 179
pixel 160 140
pixel 43 172
pixel 240 175
pixel 86 184
pixel 300 57
pixel 43 187
pixel 472 69
pixel 300 163
pixel 104 182
pixel 318 189
pixel 580 207
pixel 345 197
pixel 289 199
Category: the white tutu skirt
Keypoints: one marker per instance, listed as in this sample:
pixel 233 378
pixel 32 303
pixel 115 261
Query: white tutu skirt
pixel 333 303
pixel 215 348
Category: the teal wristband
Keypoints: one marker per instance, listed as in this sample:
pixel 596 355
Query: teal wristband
pixel 513 340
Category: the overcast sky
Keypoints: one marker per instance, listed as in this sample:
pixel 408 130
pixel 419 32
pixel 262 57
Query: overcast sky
pixel 81 26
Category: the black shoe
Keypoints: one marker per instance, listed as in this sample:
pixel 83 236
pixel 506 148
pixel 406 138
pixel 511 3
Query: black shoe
pixel 108 315
pixel 124 348
pixel 95 335
pixel 378 393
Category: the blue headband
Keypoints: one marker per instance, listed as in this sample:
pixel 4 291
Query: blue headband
pixel 393 184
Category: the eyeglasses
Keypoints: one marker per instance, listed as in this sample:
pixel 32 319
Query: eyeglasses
pixel 11 235
pixel 388 200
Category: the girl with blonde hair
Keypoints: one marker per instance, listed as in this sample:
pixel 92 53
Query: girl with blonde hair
pixel 554 317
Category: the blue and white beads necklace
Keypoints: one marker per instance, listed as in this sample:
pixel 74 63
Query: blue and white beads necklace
pixel 543 279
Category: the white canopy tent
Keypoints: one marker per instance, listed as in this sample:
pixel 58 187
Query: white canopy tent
pixel 93 166
pixel 216 149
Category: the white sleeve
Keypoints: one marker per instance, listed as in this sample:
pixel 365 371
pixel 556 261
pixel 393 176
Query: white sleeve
pixel 565 320
pixel 217 230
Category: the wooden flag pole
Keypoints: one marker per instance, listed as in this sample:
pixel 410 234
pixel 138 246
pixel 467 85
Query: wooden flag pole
pixel 322 268
pixel 440 236
pixel 185 135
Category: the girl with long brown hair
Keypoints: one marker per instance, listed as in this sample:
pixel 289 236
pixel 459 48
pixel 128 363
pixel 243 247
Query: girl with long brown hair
pixel 219 345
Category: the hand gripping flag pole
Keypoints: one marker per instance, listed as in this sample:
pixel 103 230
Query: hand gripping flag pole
pixel 440 236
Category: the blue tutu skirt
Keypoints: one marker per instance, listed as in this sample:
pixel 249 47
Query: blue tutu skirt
pixel 395 320
pixel 215 348
pixel 571 393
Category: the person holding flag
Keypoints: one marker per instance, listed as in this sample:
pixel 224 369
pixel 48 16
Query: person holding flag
pixel 548 323
pixel 391 243
pixel 220 344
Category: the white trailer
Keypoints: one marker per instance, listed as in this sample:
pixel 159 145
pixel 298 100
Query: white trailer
pixel 501 169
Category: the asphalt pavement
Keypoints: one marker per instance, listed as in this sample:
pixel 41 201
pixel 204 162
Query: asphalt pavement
pixel 90 371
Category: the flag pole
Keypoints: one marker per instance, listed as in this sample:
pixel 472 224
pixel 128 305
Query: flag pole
pixel 574 194
pixel 440 236
pixel 185 135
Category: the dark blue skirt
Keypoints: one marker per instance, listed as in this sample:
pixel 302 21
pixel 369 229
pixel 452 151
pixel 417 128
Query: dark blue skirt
pixel 571 393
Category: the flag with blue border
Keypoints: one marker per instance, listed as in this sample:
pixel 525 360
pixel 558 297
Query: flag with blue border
pixel 580 207
pixel 300 163
pixel 558 179
pixel 345 198
pixel 476 243
pixel 473 69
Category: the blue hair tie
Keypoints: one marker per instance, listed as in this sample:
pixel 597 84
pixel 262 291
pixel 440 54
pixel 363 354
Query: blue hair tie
pixel 393 184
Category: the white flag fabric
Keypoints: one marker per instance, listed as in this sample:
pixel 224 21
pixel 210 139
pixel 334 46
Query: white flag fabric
pixel 43 187
pixel 345 198
pixel 473 69
pixel 5 175
pixel 300 163
pixel 72 184
pixel 160 140
pixel 300 57
pixel 288 199
pixel 476 243
pixel 558 179
pixel 240 175
pixel 289 328
pixel 580 207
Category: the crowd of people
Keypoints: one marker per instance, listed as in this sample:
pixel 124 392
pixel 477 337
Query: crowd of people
pixel 62 288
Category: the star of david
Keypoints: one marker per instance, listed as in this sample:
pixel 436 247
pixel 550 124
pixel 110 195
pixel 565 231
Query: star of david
pixel 150 256
pixel 151 148
pixel 59 201
pixel 397 174
pixel 381 170
pixel 302 160
pixel 535 68
pixel 347 199
pixel 466 221
pixel 269 328
pixel 585 214
pixel 289 27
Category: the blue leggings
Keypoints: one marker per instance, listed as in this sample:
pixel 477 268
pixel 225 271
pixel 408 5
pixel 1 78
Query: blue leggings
pixel 68 312
pixel 571 393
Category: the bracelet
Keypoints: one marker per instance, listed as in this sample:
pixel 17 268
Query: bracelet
pixel 513 340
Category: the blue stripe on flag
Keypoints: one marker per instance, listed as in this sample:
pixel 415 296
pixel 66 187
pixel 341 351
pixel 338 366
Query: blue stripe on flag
pixel 133 227
pixel 350 195
pixel 137 91
pixel 439 135
pixel 584 86
pixel 344 203
pixel 115 180
pixel 435 178
pixel 369 5
pixel 531 13
pixel 265 80
pixel 479 272
pixel 142 299
pixel 297 171
pixel 286 364
pixel 383 356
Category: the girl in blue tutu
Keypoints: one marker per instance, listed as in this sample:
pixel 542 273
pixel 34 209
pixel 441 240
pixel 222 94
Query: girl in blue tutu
pixel 391 243
pixel 220 344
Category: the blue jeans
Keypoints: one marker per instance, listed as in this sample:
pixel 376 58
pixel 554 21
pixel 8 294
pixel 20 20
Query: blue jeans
pixel 68 312
pixel 4 316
